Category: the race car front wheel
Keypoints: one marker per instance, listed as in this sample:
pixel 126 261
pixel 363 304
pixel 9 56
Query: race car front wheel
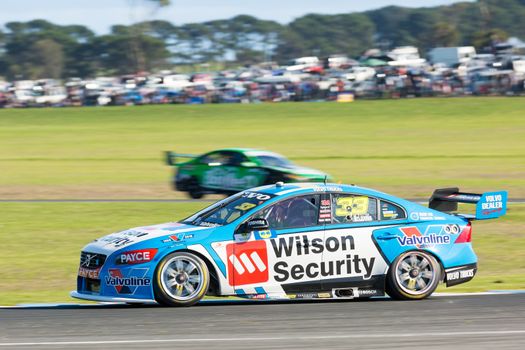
pixel 194 189
pixel 413 275
pixel 181 279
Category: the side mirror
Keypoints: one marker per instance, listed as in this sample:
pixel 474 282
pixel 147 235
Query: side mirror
pixel 245 231
pixel 257 224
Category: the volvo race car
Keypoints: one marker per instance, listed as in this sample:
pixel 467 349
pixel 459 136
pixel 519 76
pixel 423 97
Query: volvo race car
pixel 230 170
pixel 291 241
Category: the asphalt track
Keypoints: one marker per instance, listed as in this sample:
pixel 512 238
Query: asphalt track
pixel 495 321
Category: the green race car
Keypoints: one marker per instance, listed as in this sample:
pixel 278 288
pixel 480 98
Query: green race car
pixel 230 170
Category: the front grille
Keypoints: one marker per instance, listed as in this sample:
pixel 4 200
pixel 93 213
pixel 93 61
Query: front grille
pixel 92 285
pixel 91 260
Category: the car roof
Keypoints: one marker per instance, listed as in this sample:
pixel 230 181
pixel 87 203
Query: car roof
pixel 319 187
pixel 251 152
pixel 234 149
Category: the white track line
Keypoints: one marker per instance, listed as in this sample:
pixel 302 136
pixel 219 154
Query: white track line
pixel 290 337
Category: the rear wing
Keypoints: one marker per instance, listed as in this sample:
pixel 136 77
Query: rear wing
pixel 171 157
pixel 489 205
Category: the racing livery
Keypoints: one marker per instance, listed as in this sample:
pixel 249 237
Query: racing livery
pixel 292 241
pixel 231 170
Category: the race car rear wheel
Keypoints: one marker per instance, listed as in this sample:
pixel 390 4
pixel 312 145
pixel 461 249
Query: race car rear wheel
pixel 181 279
pixel 413 275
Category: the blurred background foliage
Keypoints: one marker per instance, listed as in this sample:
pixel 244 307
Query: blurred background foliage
pixel 40 49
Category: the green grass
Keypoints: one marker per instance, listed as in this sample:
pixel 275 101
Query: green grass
pixel 407 147
pixel 404 147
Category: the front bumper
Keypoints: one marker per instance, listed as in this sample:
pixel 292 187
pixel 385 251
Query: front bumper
pixel 75 294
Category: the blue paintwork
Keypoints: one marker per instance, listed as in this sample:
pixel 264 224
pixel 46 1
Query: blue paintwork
pixel 388 239
pixel 491 205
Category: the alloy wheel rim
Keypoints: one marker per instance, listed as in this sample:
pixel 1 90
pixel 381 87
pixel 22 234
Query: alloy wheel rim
pixel 415 273
pixel 181 278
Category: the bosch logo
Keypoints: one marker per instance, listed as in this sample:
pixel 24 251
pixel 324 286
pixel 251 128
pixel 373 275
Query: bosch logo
pixel 247 263
pixel 136 256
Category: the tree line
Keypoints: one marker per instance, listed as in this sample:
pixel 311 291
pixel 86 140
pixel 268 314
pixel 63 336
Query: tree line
pixel 40 49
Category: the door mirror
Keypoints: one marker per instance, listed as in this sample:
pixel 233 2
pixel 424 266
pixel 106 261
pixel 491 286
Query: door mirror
pixel 245 231
pixel 257 224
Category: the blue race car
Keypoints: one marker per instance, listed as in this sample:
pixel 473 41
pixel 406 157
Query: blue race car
pixel 292 241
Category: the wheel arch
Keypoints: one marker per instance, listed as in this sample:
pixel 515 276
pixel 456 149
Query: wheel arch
pixel 438 259
pixel 215 285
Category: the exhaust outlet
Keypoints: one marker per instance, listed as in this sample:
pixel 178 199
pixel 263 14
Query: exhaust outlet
pixel 344 293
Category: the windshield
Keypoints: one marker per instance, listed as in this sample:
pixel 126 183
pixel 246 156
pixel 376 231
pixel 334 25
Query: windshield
pixel 275 161
pixel 227 210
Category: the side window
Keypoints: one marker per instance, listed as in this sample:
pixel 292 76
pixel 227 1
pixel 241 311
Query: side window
pixel 348 208
pixel 217 157
pixel 390 211
pixel 233 158
pixel 295 212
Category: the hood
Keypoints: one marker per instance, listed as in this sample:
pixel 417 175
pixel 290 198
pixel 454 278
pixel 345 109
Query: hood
pixel 118 240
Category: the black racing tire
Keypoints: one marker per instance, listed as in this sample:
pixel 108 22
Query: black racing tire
pixel 413 275
pixel 194 189
pixel 181 279
pixel 196 194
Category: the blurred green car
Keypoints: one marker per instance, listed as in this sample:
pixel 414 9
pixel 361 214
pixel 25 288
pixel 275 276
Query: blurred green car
pixel 230 170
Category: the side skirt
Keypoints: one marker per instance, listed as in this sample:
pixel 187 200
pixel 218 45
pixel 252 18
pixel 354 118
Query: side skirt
pixel 353 287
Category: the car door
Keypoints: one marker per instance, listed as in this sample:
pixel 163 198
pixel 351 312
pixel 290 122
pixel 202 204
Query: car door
pixel 281 259
pixel 208 170
pixel 223 170
pixel 219 170
pixel 248 173
pixel 350 256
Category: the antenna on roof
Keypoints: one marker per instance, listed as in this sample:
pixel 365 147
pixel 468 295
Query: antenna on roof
pixel 325 178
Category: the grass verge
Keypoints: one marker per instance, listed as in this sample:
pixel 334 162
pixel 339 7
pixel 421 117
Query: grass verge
pixel 405 147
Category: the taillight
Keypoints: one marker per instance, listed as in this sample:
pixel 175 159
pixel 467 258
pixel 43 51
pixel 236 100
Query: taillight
pixel 466 235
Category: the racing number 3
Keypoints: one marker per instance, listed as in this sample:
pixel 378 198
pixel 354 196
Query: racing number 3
pixel 351 206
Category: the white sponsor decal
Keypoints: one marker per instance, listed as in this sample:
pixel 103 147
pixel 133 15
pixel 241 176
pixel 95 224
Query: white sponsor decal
pixel 493 202
pixel 456 275
pixel 227 178
pixel 251 263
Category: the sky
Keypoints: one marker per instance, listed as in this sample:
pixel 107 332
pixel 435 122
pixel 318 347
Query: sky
pixel 100 15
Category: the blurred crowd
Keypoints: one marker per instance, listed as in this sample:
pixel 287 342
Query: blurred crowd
pixel 395 74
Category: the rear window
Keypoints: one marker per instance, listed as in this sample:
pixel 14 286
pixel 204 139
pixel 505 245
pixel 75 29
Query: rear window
pixel 390 211
pixel 273 161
